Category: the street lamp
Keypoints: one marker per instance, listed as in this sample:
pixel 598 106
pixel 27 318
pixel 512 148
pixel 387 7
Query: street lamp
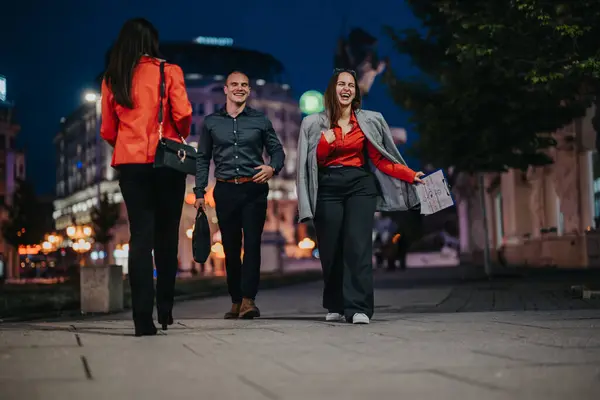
pixel 190 232
pixel 81 246
pixel 311 102
pixel 51 243
pixel 79 232
pixel 93 97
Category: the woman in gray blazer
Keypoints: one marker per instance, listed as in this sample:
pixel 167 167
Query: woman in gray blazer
pixel 349 167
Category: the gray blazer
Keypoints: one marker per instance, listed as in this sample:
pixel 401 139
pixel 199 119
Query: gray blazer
pixel 395 195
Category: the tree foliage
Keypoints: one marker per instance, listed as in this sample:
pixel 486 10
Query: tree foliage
pixel 104 217
pixel 552 44
pixel 24 225
pixel 497 77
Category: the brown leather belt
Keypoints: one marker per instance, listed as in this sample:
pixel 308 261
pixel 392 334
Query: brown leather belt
pixel 237 181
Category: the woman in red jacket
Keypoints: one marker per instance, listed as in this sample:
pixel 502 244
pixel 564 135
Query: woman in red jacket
pixel 153 197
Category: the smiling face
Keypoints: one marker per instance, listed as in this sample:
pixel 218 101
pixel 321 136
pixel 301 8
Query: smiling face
pixel 345 89
pixel 237 88
pixel 341 93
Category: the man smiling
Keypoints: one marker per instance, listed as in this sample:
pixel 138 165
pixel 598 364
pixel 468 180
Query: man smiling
pixel 235 138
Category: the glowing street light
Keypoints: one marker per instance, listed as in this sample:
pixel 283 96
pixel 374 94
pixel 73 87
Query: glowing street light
pixel 312 102
pixel 79 232
pixel 91 97
pixel 306 244
pixel 190 232
pixel 71 231
pixel 218 250
pixel 81 246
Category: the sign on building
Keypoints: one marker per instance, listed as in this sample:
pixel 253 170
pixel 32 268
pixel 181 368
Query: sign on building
pixel 214 41
pixel 2 88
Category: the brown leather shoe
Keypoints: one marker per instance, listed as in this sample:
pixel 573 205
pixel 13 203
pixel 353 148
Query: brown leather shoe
pixel 249 309
pixel 234 312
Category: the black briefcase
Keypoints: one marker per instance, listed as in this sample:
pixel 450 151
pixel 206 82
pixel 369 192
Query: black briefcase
pixel 201 238
pixel 179 156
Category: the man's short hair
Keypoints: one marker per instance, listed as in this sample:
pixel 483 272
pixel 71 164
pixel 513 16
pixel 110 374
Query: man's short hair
pixel 236 71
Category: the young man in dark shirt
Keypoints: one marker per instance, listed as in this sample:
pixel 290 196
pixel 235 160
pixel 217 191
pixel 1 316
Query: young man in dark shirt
pixel 235 138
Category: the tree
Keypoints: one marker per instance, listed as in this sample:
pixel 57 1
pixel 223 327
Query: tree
pixel 551 43
pixel 24 225
pixel 554 45
pixel 478 105
pixel 104 217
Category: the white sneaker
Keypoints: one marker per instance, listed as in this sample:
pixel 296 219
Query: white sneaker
pixel 360 319
pixel 333 316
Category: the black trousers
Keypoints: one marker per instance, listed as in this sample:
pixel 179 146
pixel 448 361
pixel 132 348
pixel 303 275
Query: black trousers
pixel 242 211
pixel 344 218
pixel 154 201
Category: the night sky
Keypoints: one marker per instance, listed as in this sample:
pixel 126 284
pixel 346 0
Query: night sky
pixel 52 50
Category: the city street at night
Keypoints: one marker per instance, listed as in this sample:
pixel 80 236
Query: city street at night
pixel 434 335
pixel 191 204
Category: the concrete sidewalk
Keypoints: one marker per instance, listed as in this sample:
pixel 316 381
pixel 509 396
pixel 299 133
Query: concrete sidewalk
pixel 434 339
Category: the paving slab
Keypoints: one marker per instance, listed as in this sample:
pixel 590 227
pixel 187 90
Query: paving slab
pixel 423 343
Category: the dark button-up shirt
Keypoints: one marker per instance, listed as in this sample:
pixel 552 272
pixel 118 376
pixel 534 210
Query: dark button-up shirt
pixel 236 145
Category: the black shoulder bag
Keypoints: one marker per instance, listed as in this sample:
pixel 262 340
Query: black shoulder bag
pixel 170 153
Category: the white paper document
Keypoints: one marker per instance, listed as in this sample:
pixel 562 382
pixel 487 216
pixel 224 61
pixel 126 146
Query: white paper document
pixel 434 194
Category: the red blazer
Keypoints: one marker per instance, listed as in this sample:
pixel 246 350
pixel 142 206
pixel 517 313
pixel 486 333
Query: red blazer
pixel 134 132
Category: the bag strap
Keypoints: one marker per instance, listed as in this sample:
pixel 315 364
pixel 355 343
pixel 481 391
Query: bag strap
pixel 162 91
pixel 162 95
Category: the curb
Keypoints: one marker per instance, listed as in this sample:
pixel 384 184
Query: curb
pixel 219 288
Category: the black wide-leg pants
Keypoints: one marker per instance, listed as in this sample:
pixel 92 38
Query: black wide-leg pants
pixel 344 220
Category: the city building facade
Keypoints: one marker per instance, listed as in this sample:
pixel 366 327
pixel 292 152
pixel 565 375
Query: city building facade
pixel 546 216
pixel 12 169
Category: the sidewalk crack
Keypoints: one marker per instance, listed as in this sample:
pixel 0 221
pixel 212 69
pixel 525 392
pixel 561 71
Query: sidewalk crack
pixel 262 390
pixel 86 368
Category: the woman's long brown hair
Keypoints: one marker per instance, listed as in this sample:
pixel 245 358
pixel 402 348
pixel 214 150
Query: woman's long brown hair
pixel 332 105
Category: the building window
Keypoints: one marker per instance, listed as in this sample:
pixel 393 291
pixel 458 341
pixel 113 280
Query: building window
pixel 498 219
pixel 193 129
pixel 2 142
pixel 199 109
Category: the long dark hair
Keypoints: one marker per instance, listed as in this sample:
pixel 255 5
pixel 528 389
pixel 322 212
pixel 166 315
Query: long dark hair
pixel 332 105
pixel 137 37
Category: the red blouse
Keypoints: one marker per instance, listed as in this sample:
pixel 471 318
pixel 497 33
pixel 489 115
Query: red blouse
pixel 348 151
